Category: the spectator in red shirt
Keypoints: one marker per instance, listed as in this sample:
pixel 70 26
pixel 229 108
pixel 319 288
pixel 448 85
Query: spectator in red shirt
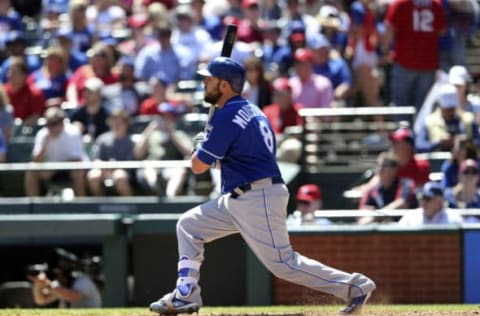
pixel 283 112
pixel 151 104
pixel 409 166
pixel 100 66
pixel 28 101
pixel 415 27
pixel 249 29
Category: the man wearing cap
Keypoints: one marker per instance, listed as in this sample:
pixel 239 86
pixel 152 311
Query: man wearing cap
pixel 91 118
pixel 284 111
pixel 309 200
pixel 390 190
pixel 409 165
pixel 330 63
pixel 432 209
pixel 282 114
pixel 138 39
pixel 308 88
pixel 441 126
pixel 249 28
pixel 459 77
pixel 58 140
pixel 253 202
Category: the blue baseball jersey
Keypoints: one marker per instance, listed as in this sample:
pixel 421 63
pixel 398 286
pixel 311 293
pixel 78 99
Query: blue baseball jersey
pixel 240 136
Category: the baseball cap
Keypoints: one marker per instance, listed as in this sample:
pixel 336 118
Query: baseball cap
pixel 303 55
pixel 431 189
pixel 297 37
pixel 226 69
pixel 15 36
pixel 318 41
pixel 137 20
pixel 309 193
pixel 458 75
pixel 402 134
pixel 447 96
pixel 249 3
pixel 468 163
pixel 94 84
pixel 184 10
pixel 329 16
pixel 282 84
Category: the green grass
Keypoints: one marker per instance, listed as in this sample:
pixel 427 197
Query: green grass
pixel 308 310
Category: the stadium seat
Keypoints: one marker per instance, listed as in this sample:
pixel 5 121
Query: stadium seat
pixel 17 294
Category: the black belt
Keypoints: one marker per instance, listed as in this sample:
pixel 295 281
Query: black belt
pixel 258 184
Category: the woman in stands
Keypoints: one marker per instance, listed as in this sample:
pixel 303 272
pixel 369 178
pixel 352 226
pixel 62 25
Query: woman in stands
pixel 82 37
pixel 100 66
pixel 258 89
pixel 52 78
pixel 466 193
pixel 463 148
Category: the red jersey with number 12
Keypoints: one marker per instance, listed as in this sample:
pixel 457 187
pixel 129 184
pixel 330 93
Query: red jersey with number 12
pixel 417 25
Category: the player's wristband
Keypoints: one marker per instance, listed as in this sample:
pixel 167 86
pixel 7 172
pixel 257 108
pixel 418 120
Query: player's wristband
pixel 54 284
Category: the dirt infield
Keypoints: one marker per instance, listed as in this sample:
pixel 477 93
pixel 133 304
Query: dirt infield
pixel 330 310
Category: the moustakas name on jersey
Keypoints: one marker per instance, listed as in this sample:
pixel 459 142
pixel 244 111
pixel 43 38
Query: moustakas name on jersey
pixel 241 138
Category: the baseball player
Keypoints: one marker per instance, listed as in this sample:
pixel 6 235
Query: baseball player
pixel 253 202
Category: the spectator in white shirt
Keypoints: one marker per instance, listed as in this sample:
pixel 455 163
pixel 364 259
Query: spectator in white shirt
pixel 432 209
pixel 57 141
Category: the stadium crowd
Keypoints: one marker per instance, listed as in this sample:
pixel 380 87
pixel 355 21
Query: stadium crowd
pixel 112 80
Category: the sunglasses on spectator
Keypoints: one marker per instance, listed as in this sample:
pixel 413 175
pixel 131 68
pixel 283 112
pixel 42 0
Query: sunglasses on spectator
pixel 470 171
pixel 303 202
pixel 54 123
pixel 426 198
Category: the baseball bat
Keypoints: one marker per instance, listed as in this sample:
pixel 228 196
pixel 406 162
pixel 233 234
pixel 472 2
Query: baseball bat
pixel 227 47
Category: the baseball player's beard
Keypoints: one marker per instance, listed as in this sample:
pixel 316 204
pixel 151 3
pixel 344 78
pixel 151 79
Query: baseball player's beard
pixel 213 97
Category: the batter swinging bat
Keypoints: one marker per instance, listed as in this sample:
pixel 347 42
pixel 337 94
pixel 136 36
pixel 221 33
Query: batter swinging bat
pixel 227 47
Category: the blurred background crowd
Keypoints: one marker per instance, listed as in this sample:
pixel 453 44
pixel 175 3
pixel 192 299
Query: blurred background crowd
pixel 116 80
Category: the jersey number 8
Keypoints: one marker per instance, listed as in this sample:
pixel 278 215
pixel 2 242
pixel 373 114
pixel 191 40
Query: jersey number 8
pixel 267 135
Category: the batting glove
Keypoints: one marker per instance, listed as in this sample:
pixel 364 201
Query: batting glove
pixel 198 140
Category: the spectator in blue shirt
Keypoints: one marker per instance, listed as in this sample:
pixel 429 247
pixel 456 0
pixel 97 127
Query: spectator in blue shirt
pixel 176 62
pixel 463 148
pixel 81 32
pixel 52 78
pixel 75 58
pixel 331 65
pixel 3 147
pixel 9 20
pixel 15 44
